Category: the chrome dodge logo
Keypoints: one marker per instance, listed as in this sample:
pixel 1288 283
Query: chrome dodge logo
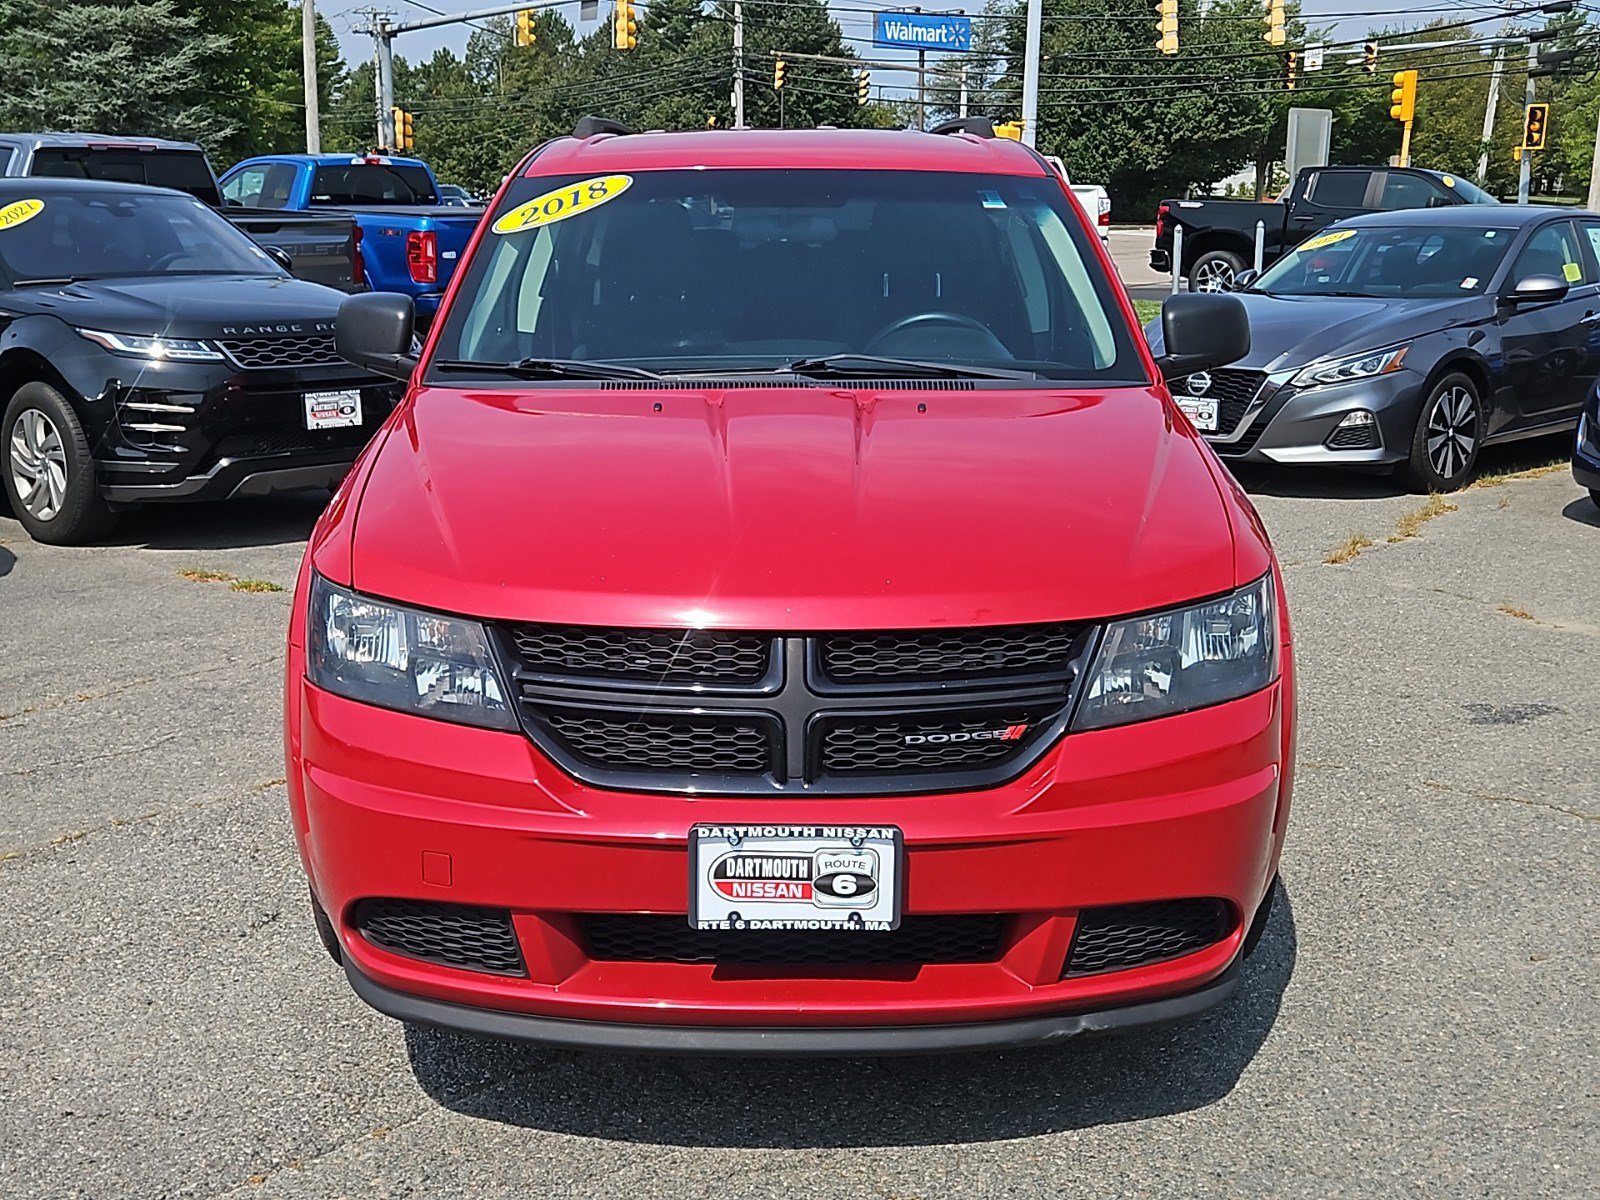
pixel 1199 383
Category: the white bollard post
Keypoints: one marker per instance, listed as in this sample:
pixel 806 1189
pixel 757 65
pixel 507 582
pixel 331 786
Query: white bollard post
pixel 1261 243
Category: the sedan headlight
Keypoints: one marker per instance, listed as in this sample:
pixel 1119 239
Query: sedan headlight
pixel 159 348
pixel 1185 658
pixel 1360 366
pixel 394 657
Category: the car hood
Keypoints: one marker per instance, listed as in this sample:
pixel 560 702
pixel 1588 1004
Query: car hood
pixel 188 306
pixel 804 508
pixel 1291 331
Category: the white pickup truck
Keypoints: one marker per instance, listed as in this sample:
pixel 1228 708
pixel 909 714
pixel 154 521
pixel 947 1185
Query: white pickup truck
pixel 1095 199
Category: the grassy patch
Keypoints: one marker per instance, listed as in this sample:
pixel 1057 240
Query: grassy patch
pixel 1411 523
pixel 201 575
pixel 1347 549
pixel 1147 310
pixel 1521 614
pixel 256 585
pixel 1497 478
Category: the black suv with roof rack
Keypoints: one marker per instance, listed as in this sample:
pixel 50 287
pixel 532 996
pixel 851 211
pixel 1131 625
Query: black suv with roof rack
pixel 150 351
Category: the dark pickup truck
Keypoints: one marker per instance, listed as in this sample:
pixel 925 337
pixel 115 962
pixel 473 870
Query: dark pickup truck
pixel 321 247
pixel 1219 236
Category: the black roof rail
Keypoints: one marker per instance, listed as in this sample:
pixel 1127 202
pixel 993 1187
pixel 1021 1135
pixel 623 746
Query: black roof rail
pixel 977 126
pixel 588 127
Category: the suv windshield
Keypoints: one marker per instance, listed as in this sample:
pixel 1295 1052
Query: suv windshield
pixel 1389 260
pixel 184 170
pixel 93 235
pixel 717 270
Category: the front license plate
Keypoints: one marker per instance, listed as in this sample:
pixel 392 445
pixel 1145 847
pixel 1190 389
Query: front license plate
pixel 1203 413
pixel 795 877
pixel 333 410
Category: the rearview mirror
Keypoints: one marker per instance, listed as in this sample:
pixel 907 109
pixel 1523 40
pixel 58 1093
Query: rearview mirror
pixel 280 256
pixel 1200 331
pixel 1539 289
pixel 1244 279
pixel 374 331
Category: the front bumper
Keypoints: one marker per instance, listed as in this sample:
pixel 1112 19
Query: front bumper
pixel 391 805
pixel 1299 427
pixel 1586 454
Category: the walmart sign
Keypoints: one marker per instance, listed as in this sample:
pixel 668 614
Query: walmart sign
pixel 922 31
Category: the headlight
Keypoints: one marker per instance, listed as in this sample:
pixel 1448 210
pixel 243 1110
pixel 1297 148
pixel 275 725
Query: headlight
pixel 1361 366
pixel 176 349
pixel 400 658
pixel 1171 662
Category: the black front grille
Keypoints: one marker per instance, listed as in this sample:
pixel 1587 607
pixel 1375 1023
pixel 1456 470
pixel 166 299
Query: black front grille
pixel 921 940
pixel 1232 388
pixel 750 713
pixel 663 742
pixel 855 746
pixel 995 653
pixel 1121 936
pixel 263 353
pixel 647 655
pixel 452 935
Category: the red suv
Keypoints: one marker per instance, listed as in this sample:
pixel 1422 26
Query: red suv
pixel 787 613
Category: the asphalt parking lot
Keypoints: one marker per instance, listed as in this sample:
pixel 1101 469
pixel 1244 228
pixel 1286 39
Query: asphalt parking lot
pixel 1419 1021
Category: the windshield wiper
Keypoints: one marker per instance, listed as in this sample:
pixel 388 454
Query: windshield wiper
pixel 548 368
pixel 59 282
pixel 847 366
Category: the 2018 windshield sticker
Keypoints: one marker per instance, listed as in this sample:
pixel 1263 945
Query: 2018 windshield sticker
pixel 1326 239
pixel 569 200
pixel 19 211
pixel 1572 271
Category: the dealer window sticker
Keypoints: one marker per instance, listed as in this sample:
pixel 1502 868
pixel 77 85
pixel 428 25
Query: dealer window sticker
pixel 568 200
pixel 19 212
pixel 1326 239
pixel 1572 271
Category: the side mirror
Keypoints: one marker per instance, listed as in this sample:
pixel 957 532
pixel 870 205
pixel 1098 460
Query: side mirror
pixel 1244 279
pixel 280 256
pixel 1199 331
pixel 1539 289
pixel 374 331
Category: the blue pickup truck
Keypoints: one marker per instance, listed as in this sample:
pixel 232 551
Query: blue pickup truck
pixel 410 241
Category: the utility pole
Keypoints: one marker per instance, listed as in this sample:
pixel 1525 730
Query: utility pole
pixel 963 110
pixel 308 60
pixel 922 82
pixel 1489 110
pixel 1030 73
pixel 738 65
pixel 1525 173
pixel 385 39
pixel 1594 173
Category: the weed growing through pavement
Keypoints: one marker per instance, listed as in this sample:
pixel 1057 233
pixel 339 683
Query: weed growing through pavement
pixel 1412 522
pixel 1347 549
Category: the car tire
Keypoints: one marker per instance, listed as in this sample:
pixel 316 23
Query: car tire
pixel 1263 914
pixel 47 470
pixel 1214 271
pixel 325 931
pixel 1448 436
pixel 1594 496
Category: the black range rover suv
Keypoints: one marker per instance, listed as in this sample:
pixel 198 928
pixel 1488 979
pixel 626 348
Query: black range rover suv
pixel 150 351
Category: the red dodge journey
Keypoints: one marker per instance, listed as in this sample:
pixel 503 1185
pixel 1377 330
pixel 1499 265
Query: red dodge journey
pixel 787 613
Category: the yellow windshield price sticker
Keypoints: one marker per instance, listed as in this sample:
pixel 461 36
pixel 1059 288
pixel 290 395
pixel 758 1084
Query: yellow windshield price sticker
pixel 1326 239
pixel 1572 271
pixel 18 211
pixel 568 200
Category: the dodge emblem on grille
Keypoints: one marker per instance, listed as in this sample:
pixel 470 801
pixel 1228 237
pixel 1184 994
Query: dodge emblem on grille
pixel 1008 733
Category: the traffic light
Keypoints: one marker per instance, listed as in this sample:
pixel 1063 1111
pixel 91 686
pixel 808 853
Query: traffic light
pixel 1291 61
pixel 1403 99
pixel 1536 127
pixel 863 85
pixel 1275 35
pixel 777 75
pixel 526 33
pixel 1167 26
pixel 404 133
pixel 1010 129
pixel 624 26
pixel 1369 57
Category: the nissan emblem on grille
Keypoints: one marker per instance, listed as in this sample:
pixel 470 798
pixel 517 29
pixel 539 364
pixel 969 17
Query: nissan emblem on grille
pixel 752 714
pixel 1199 383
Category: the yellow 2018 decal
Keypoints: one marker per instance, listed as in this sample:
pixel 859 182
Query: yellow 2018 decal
pixel 1326 239
pixel 18 211
pixel 569 200
pixel 1572 271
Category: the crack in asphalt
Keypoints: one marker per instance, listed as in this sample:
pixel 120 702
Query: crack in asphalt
pixel 1440 786
pixel 128 685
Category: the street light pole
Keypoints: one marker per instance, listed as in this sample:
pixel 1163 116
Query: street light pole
pixel 1489 111
pixel 738 65
pixel 385 39
pixel 308 63
pixel 1525 174
pixel 1030 73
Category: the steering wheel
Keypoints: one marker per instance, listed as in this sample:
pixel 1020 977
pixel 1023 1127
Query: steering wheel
pixel 917 320
pixel 166 260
